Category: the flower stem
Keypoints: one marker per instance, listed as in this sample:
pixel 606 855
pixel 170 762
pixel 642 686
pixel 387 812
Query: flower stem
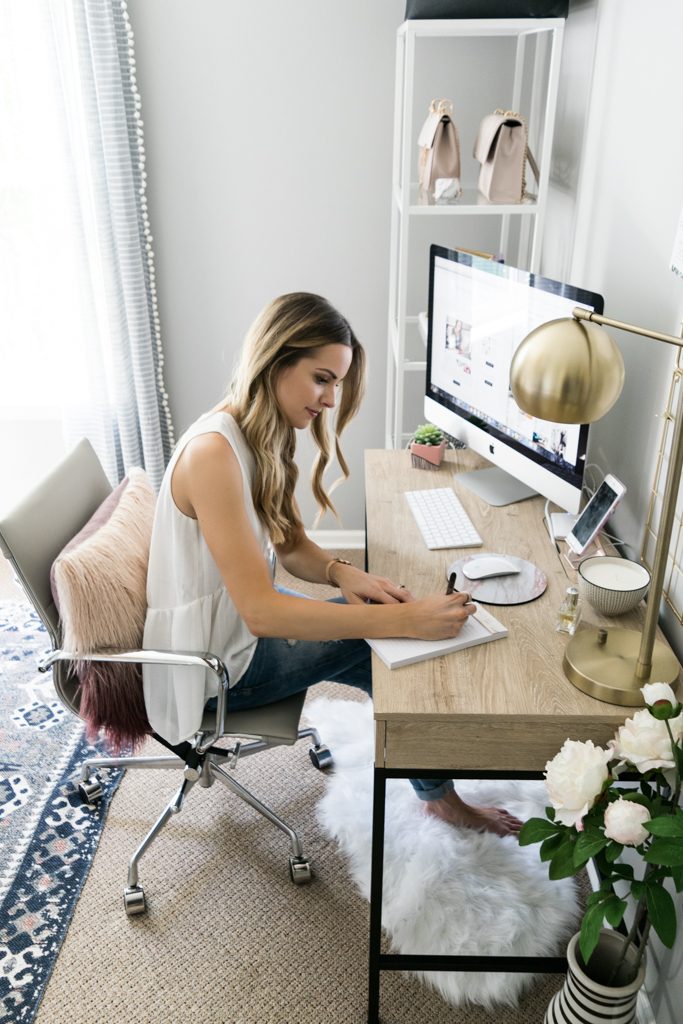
pixel 677 789
pixel 640 920
pixel 642 944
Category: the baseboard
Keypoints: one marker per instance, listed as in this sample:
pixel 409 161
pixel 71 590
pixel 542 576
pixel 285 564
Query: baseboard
pixel 338 539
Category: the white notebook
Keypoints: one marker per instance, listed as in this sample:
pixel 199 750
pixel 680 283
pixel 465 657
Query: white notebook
pixel 398 651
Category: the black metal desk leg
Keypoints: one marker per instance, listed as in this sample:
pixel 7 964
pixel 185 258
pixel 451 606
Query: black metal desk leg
pixel 376 878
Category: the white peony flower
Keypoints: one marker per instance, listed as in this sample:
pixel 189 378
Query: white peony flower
pixel 652 692
pixel 624 822
pixel 644 742
pixel 575 778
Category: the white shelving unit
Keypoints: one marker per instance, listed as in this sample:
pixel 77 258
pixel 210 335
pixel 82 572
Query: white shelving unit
pixel 531 77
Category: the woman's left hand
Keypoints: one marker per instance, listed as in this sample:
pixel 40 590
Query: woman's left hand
pixel 360 587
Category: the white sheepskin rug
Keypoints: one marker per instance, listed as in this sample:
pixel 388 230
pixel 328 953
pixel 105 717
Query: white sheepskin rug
pixel 446 890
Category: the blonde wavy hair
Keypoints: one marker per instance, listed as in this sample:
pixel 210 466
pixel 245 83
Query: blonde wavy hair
pixel 288 329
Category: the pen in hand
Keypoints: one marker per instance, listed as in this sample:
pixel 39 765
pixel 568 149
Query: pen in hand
pixel 450 589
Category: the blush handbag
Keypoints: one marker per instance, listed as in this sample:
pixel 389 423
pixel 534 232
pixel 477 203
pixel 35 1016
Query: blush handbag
pixel 439 147
pixel 502 150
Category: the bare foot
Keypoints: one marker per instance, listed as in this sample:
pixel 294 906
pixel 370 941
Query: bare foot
pixel 455 811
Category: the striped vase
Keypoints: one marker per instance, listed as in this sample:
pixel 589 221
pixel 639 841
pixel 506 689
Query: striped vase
pixel 584 1001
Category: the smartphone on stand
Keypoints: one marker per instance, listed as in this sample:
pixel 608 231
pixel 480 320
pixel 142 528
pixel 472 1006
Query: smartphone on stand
pixel 595 514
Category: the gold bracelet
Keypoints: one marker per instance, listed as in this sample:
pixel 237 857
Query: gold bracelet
pixel 341 561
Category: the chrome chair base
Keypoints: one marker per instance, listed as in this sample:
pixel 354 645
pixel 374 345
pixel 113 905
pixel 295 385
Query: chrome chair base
pixel 208 769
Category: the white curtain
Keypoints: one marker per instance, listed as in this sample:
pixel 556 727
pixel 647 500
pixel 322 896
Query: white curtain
pixel 79 325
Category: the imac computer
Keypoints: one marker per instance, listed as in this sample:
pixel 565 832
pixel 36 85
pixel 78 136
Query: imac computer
pixel 479 312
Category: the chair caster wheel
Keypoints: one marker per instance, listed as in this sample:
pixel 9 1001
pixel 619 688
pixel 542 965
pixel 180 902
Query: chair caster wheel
pixel 134 901
pixel 90 790
pixel 300 870
pixel 321 757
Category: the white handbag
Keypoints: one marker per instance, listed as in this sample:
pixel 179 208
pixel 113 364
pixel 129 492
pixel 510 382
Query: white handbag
pixel 502 150
pixel 439 148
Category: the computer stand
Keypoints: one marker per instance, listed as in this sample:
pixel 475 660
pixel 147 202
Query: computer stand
pixel 495 486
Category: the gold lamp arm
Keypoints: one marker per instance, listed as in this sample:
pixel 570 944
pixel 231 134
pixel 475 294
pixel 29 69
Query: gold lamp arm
pixel 579 313
pixel 673 478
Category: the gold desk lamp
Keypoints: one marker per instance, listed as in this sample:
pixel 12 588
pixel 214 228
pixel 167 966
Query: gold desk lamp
pixel 571 371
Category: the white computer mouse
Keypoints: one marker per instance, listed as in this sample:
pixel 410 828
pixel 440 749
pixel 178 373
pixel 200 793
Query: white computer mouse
pixel 488 565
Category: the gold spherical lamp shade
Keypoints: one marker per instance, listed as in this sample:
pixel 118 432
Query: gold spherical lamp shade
pixel 567 371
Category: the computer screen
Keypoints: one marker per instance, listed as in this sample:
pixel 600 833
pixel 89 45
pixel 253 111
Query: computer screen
pixel 479 312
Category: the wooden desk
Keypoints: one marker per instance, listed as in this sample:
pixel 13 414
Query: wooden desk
pixel 498 710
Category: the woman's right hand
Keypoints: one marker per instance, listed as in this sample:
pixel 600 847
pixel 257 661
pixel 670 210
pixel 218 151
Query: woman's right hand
pixel 439 617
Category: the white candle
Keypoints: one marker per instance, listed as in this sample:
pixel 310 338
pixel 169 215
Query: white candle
pixel 615 574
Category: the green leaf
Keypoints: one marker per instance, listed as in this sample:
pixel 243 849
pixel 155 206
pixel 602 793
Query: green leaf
pixel 590 932
pixel 602 894
pixel 562 862
pixel 668 825
pixel 607 886
pixel 602 866
pixel 624 871
pixel 535 830
pixel 677 876
pixel 647 789
pixel 612 851
pixel 614 910
pixel 662 911
pixel 550 846
pixel 668 852
pixel 634 797
pixel 588 845
pixel 637 890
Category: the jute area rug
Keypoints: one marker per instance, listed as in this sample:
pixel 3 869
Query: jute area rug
pixel 227 938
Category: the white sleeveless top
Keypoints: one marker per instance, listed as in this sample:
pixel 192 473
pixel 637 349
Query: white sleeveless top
pixel 189 608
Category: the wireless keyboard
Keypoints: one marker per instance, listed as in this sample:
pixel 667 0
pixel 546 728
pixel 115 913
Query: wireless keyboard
pixel 441 519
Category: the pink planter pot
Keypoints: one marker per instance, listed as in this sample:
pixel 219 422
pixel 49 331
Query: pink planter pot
pixel 427 456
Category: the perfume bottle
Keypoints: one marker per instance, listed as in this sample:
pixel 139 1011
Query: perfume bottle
pixel 570 612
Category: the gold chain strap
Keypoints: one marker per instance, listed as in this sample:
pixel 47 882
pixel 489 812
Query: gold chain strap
pixel 520 117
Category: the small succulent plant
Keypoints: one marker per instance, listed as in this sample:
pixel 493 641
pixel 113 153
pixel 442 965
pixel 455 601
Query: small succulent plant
pixel 428 434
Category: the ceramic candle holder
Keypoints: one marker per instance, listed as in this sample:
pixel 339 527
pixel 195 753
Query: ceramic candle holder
pixel 612 585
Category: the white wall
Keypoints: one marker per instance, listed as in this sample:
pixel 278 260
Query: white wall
pixel 30 448
pixel 268 129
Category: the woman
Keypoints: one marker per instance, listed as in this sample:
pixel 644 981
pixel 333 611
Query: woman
pixel 227 500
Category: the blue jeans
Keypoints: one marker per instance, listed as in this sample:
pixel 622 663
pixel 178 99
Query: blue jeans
pixel 280 668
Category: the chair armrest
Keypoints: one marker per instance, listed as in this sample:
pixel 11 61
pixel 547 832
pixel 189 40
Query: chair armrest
pixel 150 657
pixel 178 658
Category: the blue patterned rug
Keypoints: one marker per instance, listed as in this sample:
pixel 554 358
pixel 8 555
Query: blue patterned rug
pixel 47 836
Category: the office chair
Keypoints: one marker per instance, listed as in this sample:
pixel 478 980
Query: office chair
pixel 31 537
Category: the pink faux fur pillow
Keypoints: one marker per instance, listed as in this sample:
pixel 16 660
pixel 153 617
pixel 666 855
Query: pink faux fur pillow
pixel 99 586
